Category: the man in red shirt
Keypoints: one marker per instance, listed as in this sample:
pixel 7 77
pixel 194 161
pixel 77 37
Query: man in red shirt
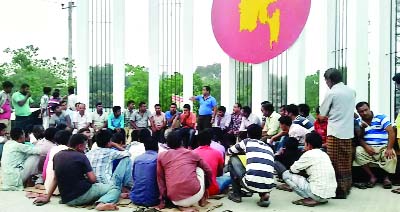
pixel 214 160
pixel 321 126
pixel 188 121
pixel 182 176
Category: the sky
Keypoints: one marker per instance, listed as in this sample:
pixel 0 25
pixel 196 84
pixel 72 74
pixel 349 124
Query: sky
pixel 44 24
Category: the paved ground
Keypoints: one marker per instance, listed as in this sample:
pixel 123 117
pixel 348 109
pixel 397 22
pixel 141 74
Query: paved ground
pixel 372 200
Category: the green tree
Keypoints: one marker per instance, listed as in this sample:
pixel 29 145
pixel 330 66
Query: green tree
pixel 312 91
pixel 136 83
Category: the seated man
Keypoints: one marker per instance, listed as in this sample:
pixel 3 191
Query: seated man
pixel 257 176
pixel 304 111
pixel 271 126
pixel 116 121
pixel 140 120
pixel 188 121
pixel 289 129
pixel 76 181
pixel 99 118
pixel 102 158
pixel 81 119
pixel 19 161
pixel 376 145
pixel 172 117
pixel 145 189
pixel 158 123
pixel 321 181
pixel 221 123
pixel 321 126
pixel 59 117
pixel 215 161
pixel 293 113
pixel 182 175
pixel 248 119
pixel 235 123
pixel 290 153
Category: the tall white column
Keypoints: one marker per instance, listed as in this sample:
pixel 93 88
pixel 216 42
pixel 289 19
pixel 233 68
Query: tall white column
pixel 379 17
pixel 118 23
pixel 329 44
pixel 357 48
pixel 187 45
pixel 228 84
pixel 82 55
pixel 259 86
pixel 154 52
pixel 296 71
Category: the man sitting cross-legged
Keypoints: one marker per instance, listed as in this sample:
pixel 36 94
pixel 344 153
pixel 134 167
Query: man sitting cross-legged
pixel 214 160
pixel 19 161
pixel 102 158
pixel 376 145
pixel 182 176
pixel 76 180
pixel 145 189
pixel 321 181
pixel 257 176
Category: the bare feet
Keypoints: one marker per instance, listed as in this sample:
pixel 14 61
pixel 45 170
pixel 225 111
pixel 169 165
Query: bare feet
pixel 188 209
pixel 124 195
pixel 203 202
pixel 106 207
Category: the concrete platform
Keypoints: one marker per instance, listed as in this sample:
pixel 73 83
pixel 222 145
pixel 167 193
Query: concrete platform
pixel 371 200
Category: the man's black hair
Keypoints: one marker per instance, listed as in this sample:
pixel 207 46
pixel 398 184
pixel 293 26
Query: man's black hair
pixel 24 85
pixel 49 133
pixel 265 102
pixel 187 106
pixel 157 105
pixel 204 138
pixel 56 94
pixel 118 138
pixel 62 137
pixel 292 144
pixel 173 103
pixel 293 109
pixel 305 109
pixel 314 139
pixel 173 140
pixel 268 107
pixel 360 104
pixel 99 103
pixel 222 109
pixel 16 133
pixel 2 126
pixel 7 84
pixel 71 90
pixel 46 90
pixel 130 102
pixel 334 75
pixel 76 139
pixel 141 104
pixel 116 109
pixel 239 105
pixel 143 134
pixel 150 144
pixel 254 131
pixel 247 109
pixel 102 138
pixel 207 88
pixel 317 110
pixel 286 120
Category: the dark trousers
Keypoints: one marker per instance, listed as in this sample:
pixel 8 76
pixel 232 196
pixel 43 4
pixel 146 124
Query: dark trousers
pixel 187 135
pixel 204 122
pixel 24 122
pixel 135 134
pixel 159 136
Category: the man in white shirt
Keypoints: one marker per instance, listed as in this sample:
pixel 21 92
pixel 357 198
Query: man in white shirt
pixel 44 110
pixel 321 181
pixel 71 98
pixel 338 106
pixel 99 118
pixel 81 118
pixel 221 123
pixel 289 129
pixel 248 119
pixel 271 125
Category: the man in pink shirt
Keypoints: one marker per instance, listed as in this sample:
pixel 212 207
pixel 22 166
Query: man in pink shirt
pixel 182 176
pixel 215 161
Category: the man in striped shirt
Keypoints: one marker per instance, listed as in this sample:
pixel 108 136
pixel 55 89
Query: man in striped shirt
pixel 257 175
pixel 377 144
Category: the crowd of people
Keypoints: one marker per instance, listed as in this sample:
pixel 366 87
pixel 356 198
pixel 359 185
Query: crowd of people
pixel 179 158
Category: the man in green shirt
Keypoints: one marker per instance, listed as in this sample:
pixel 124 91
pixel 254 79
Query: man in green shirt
pixel 21 101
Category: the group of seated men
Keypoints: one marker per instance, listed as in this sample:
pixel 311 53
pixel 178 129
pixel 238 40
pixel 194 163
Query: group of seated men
pixel 151 173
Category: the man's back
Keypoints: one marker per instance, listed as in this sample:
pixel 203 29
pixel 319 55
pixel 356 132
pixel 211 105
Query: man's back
pixel 145 189
pixel 70 168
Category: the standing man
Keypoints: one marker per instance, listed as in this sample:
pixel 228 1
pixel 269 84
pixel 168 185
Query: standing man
pixel 130 109
pixel 338 105
pixel 158 123
pixel 99 118
pixel 44 107
pixel 140 120
pixel 21 101
pixel 71 98
pixel 207 110
pixel 5 105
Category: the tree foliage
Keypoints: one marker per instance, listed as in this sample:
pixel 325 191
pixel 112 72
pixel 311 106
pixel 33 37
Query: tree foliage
pixel 312 90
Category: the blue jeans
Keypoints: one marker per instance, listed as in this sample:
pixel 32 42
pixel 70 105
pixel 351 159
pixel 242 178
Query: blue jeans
pixel 122 175
pixel 187 135
pixel 223 182
pixel 99 193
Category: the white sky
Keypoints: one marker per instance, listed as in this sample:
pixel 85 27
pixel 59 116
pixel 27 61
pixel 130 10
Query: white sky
pixel 44 24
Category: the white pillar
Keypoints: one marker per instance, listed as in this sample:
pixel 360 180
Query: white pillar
pixel 154 74
pixel 228 85
pixel 118 23
pixel 379 17
pixel 329 44
pixel 357 48
pixel 259 86
pixel 296 71
pixel 187 48
pixel 82 53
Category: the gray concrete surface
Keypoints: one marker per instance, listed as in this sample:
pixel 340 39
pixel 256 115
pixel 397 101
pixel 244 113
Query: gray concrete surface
pixel 371 200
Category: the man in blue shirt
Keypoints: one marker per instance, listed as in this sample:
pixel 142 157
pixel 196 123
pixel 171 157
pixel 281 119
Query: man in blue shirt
pixel 116 121
pixel 207 110
pixel 171 114
pixel 145 189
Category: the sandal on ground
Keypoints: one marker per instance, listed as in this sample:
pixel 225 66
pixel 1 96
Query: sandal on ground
pixel 360 185
pixel 246 194
pixel 263 203
pixel 298 202
pixel 235 197
pixel 284 187
pixel 387 184
pixel 396 191
pixel 370 184
pixel 312 204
